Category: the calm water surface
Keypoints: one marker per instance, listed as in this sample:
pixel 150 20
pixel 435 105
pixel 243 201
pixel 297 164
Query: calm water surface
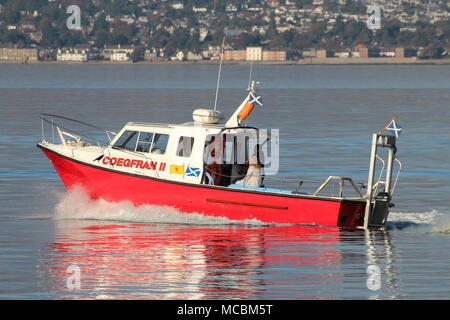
pixel 326 115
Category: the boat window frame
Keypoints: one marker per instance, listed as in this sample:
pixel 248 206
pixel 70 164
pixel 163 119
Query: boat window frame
pixel 122 147
pixel 153 143
pixel 229 151
pixel 247 139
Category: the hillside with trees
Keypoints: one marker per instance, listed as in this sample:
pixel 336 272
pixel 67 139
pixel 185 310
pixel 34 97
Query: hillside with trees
pixel 196 24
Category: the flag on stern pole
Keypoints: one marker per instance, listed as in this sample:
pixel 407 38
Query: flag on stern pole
pixel 395 127
pixel 254 99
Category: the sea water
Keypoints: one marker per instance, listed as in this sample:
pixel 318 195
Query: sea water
pixel 56 244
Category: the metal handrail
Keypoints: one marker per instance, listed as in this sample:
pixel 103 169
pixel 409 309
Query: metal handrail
pixel 299 182
pixel 44 119
pixel 284 181
pixel 43 115
pixel 341 185
pixel 76 135
pixel 380 182
pixel 382 168
pixel 398 174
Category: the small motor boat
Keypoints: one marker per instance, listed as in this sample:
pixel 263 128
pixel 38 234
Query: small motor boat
pixel 208 166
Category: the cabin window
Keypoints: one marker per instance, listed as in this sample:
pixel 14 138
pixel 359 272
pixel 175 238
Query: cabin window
pixel 235 149
pixel 229 149
pixel 159 143
pixel 247 150
pixel 184 148
pixel 144 142
pixel 127 140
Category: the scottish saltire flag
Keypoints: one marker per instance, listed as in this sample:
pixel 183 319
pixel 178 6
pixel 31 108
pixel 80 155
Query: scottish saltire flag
pixel 393 126
pixel 254 99
pixel 192 172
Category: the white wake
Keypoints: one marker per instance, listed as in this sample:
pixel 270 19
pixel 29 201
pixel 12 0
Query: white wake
pixel 428 217
pixel 76 204
pixel 429 221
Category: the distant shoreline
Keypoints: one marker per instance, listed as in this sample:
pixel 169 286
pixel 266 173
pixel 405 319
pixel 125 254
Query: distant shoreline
pixel 306 61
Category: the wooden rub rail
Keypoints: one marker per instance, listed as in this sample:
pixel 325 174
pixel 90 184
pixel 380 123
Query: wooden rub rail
pixel 247 204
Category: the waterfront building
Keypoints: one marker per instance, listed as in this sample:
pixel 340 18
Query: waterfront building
pixel 274 55
pixel 76 54
pixel 19 54
pixel 254 53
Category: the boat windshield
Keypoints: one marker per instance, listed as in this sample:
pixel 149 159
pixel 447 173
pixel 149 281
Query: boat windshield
pixel 159 143
pixel 142 142
pixel 127 140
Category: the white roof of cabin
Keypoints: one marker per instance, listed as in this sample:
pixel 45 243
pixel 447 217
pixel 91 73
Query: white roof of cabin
pixel 190 125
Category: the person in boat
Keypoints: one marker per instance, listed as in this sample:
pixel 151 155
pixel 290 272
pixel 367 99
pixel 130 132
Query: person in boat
pixel 253 176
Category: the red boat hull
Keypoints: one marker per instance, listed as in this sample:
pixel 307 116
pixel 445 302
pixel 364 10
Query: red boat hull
pixel 114 186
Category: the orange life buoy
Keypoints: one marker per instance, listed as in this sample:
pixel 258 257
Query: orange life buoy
pixel 215 169
pixel 245 112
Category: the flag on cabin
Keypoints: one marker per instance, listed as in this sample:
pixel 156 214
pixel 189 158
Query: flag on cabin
pixel 192 172
pixel 254 99
pixel 393 126
pixel 176 169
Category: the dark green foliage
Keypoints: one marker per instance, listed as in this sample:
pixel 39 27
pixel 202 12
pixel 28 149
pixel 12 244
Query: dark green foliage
pixel 104 23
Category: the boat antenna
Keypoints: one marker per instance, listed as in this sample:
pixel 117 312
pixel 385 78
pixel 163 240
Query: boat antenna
pixel 218 77
pixel 250 76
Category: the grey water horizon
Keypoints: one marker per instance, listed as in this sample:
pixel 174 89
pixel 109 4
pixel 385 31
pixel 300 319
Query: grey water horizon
pixel 325 114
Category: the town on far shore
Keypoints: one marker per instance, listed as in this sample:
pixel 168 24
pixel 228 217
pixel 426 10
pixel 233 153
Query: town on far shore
pixel 131 53
pixel 266 31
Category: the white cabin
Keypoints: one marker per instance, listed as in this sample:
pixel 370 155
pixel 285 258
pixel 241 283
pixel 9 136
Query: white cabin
pixel 177 152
